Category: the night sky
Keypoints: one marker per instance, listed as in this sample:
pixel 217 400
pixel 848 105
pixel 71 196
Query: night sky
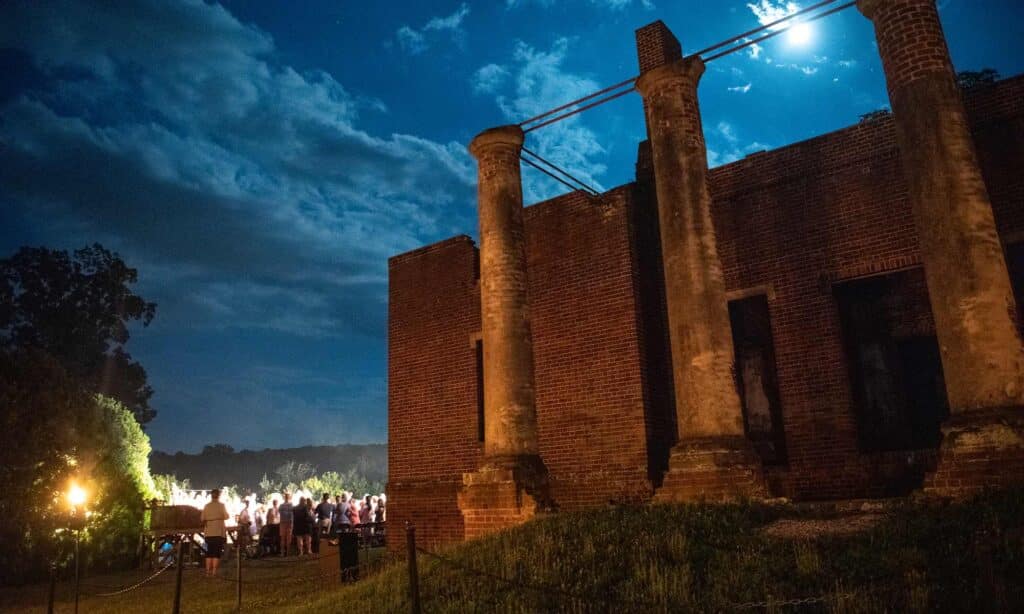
pixel 259 161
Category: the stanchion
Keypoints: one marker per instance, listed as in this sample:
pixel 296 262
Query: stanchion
pixel 77 584
pixel 53 588
pixel 238 576
pixel 414 576
pixel 177 583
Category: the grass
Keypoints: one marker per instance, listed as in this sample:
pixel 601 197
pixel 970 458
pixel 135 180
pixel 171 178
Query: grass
pixel 920 558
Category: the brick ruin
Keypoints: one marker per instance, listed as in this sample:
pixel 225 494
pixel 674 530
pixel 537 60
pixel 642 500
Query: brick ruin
pixel 832 319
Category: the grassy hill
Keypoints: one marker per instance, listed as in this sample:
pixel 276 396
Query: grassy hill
pixel 221 465
pixel 916 557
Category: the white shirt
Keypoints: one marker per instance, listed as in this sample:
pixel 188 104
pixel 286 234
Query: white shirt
pixel 214 515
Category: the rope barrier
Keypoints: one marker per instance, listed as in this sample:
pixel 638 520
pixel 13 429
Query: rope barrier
pixel 130 588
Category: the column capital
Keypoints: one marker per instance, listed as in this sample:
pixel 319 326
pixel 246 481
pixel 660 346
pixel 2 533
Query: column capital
pixel 500 137
pixel 685 72
pixel 870 8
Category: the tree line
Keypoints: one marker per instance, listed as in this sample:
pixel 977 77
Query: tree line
pixel 356 468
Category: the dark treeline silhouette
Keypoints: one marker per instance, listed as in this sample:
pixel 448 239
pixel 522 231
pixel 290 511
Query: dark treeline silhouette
pixel 76 308
pixel 221 465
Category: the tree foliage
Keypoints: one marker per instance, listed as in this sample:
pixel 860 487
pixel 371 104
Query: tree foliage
pixel 875 115
pixel 77 308
pixel 334 483
pixel 970 79
pixel 63 433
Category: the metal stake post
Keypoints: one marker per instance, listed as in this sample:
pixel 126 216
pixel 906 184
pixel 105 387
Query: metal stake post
pixel 53 588
pixel 238 574
pixel 414 576
pixel 177 583
pixel 78 533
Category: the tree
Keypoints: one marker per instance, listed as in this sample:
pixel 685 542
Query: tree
pixel 63 432
pixel 291 474
pixel 875 115
pixel 76 308
pixel 970 79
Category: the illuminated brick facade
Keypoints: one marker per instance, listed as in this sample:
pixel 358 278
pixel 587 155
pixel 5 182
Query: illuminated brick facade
pixel 823 273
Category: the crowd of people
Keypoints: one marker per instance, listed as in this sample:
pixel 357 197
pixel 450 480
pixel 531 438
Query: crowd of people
pixel 280 523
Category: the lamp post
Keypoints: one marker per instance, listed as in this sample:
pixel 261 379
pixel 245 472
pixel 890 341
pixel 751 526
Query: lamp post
pixel 76 497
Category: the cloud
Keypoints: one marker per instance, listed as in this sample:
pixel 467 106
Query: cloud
pixel 452 22
pixel 349 414
pixel 743 89
pixel 610 4
pixel 726 130
pixel 248 193
pixel 768 11
pixel 807 70
pixel 723 145
pixel 539 83
pixel 415 41
pixel 170 133
pixel 488 79
pixel 411 40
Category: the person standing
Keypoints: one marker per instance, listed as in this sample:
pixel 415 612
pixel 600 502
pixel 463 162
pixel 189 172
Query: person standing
pixel 324 512
pixel 259 518
pixel 339 517
pixel 274 528
pixel 303 526
pixel 214 532
pixel 287 511
pixel 353 512
pixel 244 521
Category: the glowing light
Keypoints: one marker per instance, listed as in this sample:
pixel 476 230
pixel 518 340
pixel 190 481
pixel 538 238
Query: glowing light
pixel 76 495
pixel 800 34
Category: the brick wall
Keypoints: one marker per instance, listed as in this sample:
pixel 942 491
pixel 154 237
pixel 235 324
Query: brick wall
pixel 791 222
pixel 590 396
pixel 592 425
pixel 835 207
pixel 433 311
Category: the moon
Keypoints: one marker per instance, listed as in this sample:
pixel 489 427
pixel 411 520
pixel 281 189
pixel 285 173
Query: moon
pixel 800 34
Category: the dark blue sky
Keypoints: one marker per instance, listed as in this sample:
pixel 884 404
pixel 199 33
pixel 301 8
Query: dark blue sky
pixel 259 161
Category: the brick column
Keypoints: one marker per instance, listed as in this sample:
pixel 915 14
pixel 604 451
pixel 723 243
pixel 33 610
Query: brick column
pixel 511 484
pixel 712 459
pixel 968 284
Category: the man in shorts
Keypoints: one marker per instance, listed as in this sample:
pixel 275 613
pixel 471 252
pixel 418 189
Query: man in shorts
pixel 213 517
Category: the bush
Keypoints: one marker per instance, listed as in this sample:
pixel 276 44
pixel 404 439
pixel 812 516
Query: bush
pixel 63 433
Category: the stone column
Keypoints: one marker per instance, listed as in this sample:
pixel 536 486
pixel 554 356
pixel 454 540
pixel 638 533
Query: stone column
pixel 511 483
pixel 713 458
pixel 510 415
pixel 968 284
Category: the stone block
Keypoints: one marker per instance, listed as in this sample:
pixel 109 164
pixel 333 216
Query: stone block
pixel 979 451
pixel 725 469
pixel 503 495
